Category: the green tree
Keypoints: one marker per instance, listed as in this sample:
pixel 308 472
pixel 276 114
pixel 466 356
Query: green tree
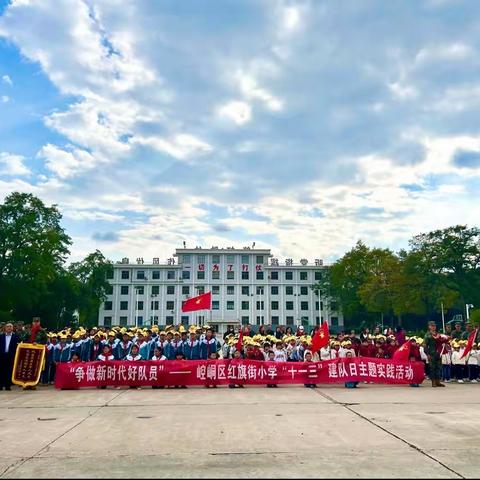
pixel 91 273
pixel 33 248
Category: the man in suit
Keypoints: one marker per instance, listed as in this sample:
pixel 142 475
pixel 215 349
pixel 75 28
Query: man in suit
pixel 8 347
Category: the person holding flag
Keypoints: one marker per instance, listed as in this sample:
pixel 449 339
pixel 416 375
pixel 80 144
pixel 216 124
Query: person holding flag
pixel 472 360
pixel 433 345
pixel 321 339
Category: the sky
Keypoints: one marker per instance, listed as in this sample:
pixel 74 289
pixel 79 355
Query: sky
pixel 301 126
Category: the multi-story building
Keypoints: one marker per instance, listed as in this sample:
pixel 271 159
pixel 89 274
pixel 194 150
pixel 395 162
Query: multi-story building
pixel 248 286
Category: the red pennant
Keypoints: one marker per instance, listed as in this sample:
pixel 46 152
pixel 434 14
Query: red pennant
pixel 202 302
pixel 321 338
pixel 471 340
pixel 402 354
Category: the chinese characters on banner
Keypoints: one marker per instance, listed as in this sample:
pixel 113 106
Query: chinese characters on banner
pixel 223 372
pixel 28 364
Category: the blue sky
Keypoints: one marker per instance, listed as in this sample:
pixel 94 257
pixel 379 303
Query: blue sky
pixel 303 126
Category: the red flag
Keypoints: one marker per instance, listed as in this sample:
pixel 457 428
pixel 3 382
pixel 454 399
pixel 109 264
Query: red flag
pixel 471 340
pixel 239 344
pixel 402 354
pixel 202 302
pixel 321 338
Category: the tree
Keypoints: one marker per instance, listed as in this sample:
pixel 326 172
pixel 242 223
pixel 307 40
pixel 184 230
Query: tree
pixel 91 273
pixel 452 258
pixel 33 248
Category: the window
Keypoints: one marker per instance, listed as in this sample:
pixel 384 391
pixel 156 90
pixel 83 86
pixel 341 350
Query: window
pixel 140 320
pixel 140 305
pixel 201 275
pixel 245 305
pixel 230 290
pixel 186 258
pixel 171 275
pixel 169 320
pixel 274 305
pixel 185 290
pixel 245 275
pixel 140 274
pixel 321 305
pixel 275 320
pixel 289 305
pixel 107 306
pixel 259 259
pixel 288 290
pixel 109 290
pixel 156 275
pixel 245 259
pixel 124 305
pixel 260 290
pixel 317 320
pixel 305 321
pixel 303 275
pixel 334 321
pixel 215 305
pixel 154 305
pixel 230 305
pixel 288 275
pixel 123 321
pixel 289 320
pixel 125 274
pixel 303 290
pixel 216 290
pixel 186 274
pixel 107 321
pixel 200 289
pixel 245 320
pixel 274 275
pixel 303 305
pixel 170 305
pixel 140 290
pixel 230 275
pixel 230 259
pixel 260 305
pixel 259 275
pixel 318 275
pixel 155 290
pixel 170 289
pixel 216 275
pixel 124 290
pixel 317 305
pixel 246 290
pixel 215 258
pixel 274 290
pixel 334 306
pixel 201 258
pixel 109 274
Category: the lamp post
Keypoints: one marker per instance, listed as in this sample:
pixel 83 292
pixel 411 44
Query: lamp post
pixel 467 308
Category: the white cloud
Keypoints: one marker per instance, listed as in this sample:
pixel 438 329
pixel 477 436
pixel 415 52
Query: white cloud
pixel 454 51
pixel 12 164
pixel 236 111
pixel 65 163
pixel 251 90
pixel 5 99
pixel 291 18
pixel 7 80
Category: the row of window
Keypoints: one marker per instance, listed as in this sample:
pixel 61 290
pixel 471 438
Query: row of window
pixel 186 289
pixel 185 275
pixel 169 319
pixel 230 305
pixel 186 258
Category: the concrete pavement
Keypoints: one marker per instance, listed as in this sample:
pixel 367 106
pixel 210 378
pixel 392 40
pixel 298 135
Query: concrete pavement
pixel 373 431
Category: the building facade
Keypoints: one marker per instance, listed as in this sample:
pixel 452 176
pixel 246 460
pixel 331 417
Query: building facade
pixel 249 286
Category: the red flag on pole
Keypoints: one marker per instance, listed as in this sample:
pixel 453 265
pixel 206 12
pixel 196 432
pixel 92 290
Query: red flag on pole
pixel 239 344
pixel 202 302
pixel 321 338
pixel 402 354
pixel 471 340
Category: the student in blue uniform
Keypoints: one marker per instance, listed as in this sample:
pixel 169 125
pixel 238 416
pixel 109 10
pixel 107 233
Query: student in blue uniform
pixel 63 351
pixel 208 345
pixel 123 347
pixel 191 348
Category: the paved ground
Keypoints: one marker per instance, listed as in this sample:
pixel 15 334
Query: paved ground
pixel 373 431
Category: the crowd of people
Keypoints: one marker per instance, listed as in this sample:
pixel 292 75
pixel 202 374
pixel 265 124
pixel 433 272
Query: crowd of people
pixel 284 344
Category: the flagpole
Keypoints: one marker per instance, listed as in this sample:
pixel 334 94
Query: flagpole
pixel 443 318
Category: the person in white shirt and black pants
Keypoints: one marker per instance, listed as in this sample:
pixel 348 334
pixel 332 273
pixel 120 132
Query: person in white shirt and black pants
pixel 8 347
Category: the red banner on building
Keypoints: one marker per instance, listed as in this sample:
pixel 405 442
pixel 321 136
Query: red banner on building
pixel 236 371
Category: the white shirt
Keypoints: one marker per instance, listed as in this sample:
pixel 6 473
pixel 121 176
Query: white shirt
pixel 131 358
pixel 8 338
pixel 158 359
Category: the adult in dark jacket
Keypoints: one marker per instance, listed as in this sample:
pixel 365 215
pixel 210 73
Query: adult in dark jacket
pixel 8 346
